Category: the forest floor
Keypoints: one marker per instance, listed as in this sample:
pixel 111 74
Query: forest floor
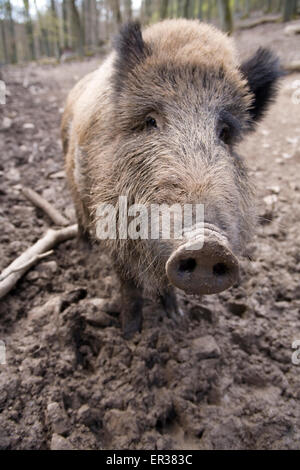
pixel 221 377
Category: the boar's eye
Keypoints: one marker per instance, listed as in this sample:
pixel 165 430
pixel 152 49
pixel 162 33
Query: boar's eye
pixel 150 122
pixel 224 133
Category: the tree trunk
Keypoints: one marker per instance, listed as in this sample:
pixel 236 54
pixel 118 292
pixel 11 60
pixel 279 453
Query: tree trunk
pixel 55 36
pixel 268 7
pixel 225 15
pixel 90 20
pixel 99 6
pixel 147 10
pixel 43 36
pixel 115 6
pixel 186 8
pixel 200 9
pixel 107 19
pixel 95 23
pixel 86 21
pixel 29 29
pixel 279 7
pixel 164 9
pixel 65 23
pixel 76 27
pixel 37 33
pixel 210 7
pixel 289 9
pixel 128 10
pixel 13 48
pixel 4 43
pixel 247 9
pixel 192 9
pixel 179 8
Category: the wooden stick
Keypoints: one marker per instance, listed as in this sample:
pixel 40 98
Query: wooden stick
pixel 40 249
pixel 51 211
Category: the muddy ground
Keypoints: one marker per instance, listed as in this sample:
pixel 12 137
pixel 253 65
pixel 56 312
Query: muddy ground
pixel 221 377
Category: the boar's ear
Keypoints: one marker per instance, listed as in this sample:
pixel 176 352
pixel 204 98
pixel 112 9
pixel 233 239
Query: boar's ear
pixel 262 72
pixel 131 50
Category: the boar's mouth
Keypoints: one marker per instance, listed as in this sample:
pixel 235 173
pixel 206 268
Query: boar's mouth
pixel 208 269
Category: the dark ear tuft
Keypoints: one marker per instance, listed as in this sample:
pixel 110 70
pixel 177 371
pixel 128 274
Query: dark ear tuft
pixel 131 49
pixel 262 72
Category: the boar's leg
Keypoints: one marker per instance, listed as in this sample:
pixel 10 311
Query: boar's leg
pixel 84 237
pixel 169 303
pixel 132 305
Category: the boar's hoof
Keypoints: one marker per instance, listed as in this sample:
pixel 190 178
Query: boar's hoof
pixel 132 321
pixel 170 305
pixel 84 239
pixel 132 308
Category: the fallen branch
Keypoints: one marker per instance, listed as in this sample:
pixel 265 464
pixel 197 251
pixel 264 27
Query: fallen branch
pixel 27 265
pixel 51 211
pixel 259 21
pixel 292 29
pixel 293 66
pixel 39 250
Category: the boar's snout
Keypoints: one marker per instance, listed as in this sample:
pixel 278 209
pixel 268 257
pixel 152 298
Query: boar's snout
pixel 209 269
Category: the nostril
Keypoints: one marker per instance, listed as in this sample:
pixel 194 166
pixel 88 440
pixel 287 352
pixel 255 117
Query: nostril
pixel 187 265
pixel 220 269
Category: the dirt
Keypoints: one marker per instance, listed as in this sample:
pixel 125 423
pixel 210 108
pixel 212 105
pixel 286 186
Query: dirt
pixel 221 377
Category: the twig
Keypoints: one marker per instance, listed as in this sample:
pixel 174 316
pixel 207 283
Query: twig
pixel 40 249
pixel 40 202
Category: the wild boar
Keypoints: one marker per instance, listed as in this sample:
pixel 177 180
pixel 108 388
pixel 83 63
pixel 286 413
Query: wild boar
pixel 158 123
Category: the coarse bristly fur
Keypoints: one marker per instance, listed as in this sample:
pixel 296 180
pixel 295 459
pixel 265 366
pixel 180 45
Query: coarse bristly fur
pixel 186 75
